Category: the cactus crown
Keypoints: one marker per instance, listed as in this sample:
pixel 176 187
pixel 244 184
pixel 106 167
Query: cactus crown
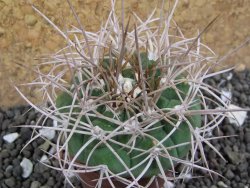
pixel 134 104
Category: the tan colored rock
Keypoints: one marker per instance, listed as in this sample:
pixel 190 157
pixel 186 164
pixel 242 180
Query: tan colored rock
pixel 30 20
pixel 240 67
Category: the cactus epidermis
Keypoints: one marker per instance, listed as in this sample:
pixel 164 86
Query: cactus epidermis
pixel 137 130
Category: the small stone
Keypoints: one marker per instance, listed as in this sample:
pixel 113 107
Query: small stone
pixel 45 146
pixel 47 133
pixel 4 153
pixel 26 153
pixel 233 157
pixel 11 137
pixel 44 159
pixel 226 95
pixel 240 67
pixel 40 168
pixel 45 186
pixel 35 184
pixel 10 146
pixel 236 117
pixel 17 171
pixel 1 118
pixel 9 168
pixel 30 20
pixel 248 147
pixel 229 174
pixel 5 124
pixel 242 167
pixel 10 182
pixel 20 119
pixel 10 114
pixel 25 133
pixel 168 184
pixel 26 183
pixel 32 115
pixel 1 175
pixel 247 137
pixel 222 184
pixel 27 166
pixel 16 162
pixel 51 181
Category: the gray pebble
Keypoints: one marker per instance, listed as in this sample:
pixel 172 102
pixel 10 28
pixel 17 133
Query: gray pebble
pixel 4 185
pixel 14 152
pixel 45 186
pixel 40 168
pixel 1 118
pixel 10 182
pixel 242 167
pixel 1 175
pixel 5 124
pixel 19 119
pixel 51 181
pixel 35 184
pixel 10 114
pixel 10 146
pixel 9 168
pixel 26 153
pixel 213 186
pixel 229 174
pixel 247 137
pixel 248 148
pixel 4 153
pixel 27 183
pixel 32 116
pixel 17 171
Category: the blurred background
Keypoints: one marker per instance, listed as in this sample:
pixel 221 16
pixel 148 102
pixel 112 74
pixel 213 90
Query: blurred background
pixel 25 35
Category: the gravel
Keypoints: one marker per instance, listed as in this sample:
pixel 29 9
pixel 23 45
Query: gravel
pixel 235 170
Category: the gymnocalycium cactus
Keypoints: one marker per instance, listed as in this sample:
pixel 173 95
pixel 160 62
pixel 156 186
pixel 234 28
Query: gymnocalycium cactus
pixel 134 105
pixel 123 127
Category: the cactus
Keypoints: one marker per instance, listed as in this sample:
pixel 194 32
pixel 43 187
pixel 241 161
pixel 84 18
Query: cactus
pixel 135 103
pixel 140 132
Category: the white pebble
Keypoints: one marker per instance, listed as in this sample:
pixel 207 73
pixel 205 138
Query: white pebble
pixel 10 137
pixel 27 167
pixel 47 133
pixel 226 95
pixel 168 184
pixel 230 76
pixel 237 117
pixel 44 159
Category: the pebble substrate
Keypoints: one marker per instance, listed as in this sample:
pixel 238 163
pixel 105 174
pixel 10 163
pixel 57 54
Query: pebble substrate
pixel 236 150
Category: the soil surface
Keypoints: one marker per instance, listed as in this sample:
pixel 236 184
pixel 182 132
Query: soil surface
pixel 25 35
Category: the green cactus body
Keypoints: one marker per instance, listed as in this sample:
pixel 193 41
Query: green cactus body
pixel 144 143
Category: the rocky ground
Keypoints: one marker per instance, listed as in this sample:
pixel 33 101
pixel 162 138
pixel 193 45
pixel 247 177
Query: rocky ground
pixel 236 150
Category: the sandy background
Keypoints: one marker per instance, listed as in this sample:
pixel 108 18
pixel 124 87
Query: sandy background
pixel 24 35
